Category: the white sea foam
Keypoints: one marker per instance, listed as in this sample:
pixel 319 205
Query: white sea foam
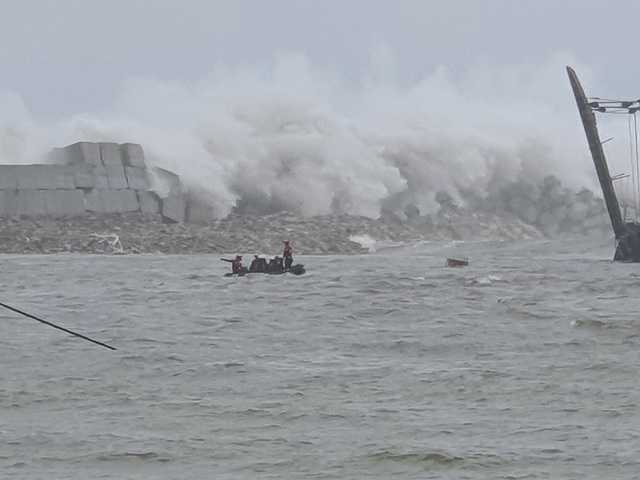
pixel 366 241
pixel 291 137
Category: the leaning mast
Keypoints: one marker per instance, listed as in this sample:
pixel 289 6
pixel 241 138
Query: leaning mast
pixel 595 145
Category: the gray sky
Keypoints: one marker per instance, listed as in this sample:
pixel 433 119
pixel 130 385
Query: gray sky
pixel 63 57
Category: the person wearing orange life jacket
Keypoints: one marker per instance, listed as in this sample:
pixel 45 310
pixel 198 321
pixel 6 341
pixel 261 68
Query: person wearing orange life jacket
pixel 236 264
pixel 287 255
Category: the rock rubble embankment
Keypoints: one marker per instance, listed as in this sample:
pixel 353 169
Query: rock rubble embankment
pixel 133 233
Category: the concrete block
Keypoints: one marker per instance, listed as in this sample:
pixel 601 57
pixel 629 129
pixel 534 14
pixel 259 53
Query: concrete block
pixel 45 177
pixel 64 202
pixel 111 201
pixel 173 208
pixel 64 177
pixel 149 202
pixel 101 178
pixel 132 155
pixel 31 202
pixel 9 177
pixel 198 212
pixel 165 183
pixel 93 201
pixel 128 201
pixel 26 179
pixel 136 178
pixel 9 203
pixel 116 177
pixel 84 176
pixel 110 154
pixel 82 152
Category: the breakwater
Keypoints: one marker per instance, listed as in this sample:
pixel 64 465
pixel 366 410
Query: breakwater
pixel 88 177
pixel 97 183
pixel 547 206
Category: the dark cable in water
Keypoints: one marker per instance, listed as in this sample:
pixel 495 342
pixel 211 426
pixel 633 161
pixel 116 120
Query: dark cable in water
pixel 57 326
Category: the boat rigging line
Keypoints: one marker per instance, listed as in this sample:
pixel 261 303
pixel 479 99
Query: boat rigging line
pixel 629 108
pixel 627 233
pixel 13 309
pixel 635 168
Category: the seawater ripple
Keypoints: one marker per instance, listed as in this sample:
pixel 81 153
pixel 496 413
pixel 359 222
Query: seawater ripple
pixel 522 365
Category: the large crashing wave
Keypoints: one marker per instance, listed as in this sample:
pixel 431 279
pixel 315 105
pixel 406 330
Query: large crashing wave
pixel 294 138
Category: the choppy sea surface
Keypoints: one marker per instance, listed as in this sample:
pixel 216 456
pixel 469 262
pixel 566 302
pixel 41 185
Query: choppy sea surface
pixel 522 365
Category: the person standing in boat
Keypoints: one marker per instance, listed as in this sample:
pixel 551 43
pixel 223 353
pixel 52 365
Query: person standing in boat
pixel 236 264
pixel 287 255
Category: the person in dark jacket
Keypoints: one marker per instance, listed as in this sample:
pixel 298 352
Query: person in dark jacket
pixel 275 265
pixel 258 265
pixel 254 264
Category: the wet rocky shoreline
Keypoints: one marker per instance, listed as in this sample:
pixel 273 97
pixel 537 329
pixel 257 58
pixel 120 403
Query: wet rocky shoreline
pixel 518 210
pixel 134 233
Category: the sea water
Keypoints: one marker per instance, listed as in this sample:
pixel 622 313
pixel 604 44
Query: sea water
pixel 389 365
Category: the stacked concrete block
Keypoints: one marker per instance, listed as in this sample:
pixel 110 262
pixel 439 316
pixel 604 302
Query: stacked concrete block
pixel 101 178
pixel 54 177
pixel 93 201
pixel 111 201
pixel 97 165
pixel 24 188
pixel 173 208
pixel 165 183
pixel 149 202
pixel 124 201
pixel 64 202
pixel 132 155
pixel 94 177
pixel 36 177
pixel 9 177
pixel 8 203
pixel 24 202
pixel 173 202
pixel 31 202
pixel 116 177
pixel 136 178
pixel 100 173
pixel 81 152
pixel 110 154
pixel 85 177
